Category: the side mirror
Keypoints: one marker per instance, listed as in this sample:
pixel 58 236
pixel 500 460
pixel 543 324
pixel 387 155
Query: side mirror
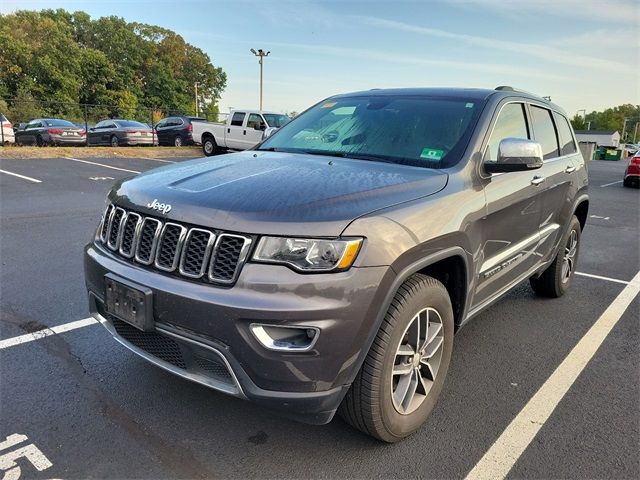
pixel 516 155
pixel 261 126
pixel 268 132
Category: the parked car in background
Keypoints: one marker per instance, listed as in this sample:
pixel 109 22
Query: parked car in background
pixel 176 131
pixel 632 172
pixel 19 126
pixel 631 148
pixel 7 135
pixel 116 132
pixel 50 131
pixel 243 130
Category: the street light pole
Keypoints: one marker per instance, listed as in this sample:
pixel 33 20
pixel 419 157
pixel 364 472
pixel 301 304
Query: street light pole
pixel 261 54
pixel 196 87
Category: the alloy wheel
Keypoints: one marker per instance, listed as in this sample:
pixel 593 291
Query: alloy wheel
pixel 569 259
pixel 417 361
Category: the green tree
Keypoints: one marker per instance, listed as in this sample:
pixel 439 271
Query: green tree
pixel 56 59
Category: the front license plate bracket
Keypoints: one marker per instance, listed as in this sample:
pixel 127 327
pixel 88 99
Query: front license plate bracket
pixel 129 302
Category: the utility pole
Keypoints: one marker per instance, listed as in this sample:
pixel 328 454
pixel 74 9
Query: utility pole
pixel 261 54
pixel 635 132
pixel 196 87
pixel 624 129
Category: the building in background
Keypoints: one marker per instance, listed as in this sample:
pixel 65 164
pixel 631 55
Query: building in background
pixel 602 138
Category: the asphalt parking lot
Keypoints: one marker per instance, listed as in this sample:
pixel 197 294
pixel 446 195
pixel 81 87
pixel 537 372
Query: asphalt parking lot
pixel 76 404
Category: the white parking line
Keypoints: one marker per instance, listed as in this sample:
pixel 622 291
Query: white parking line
pixel 101 165
pixel 156 159
pixel 47 332
pixel 608 279
pixel 609 184
pixel 508 448
pixel 34 180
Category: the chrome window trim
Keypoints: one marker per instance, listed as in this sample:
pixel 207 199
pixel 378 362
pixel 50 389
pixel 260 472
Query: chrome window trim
pixel 176 258
pixel 115 246
pixel 136 233
pixel 154 243
pixel 244 252
pixel 207 253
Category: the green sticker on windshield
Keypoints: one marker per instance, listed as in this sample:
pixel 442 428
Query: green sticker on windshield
pixel 431 154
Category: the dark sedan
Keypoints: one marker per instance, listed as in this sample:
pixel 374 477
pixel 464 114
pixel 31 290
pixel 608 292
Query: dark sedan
pixel 121 132
pixel 50 131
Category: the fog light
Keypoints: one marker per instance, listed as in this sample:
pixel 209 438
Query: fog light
pixel 285 338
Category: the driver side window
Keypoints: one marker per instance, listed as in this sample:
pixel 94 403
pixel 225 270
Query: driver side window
pixel 511 123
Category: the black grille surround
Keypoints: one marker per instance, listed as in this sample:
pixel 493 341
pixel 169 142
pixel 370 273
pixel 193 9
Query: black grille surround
pixel 207 255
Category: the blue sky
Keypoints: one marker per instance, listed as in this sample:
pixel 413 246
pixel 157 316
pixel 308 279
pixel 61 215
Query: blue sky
pixel 583 53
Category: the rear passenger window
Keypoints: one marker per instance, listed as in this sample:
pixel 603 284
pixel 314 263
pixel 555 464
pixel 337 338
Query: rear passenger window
pixel 511 123
pixel 237 119
pixel 567 144
pixel 545 131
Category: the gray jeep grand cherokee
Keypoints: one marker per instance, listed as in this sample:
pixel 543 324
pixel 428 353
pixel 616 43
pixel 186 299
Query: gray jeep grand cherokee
pixel 328 269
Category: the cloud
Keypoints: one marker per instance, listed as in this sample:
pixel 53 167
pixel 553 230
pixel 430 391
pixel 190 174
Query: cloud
pixel 543 52
pixel 388 57
pixel 625 11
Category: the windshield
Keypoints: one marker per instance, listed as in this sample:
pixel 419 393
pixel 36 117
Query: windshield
pixel 275 120
pixel 413 130
pixel 58 123
pixel 131 124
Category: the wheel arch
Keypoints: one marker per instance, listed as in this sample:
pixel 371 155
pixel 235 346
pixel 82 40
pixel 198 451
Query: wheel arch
pixel 581 210
pixel 436 265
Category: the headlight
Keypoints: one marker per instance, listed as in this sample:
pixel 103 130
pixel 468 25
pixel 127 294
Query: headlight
pixel 308 254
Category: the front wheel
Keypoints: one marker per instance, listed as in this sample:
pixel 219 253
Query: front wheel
pixel 404 371
pixel 177 142
pixel 556 279
pixel 114 141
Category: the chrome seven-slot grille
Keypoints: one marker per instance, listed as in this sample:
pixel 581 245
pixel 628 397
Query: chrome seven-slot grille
pixel 191 252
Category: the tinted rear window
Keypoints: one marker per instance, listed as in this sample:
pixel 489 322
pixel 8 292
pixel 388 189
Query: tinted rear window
pixel 567 144
pixel 58 123
pixel 131 124
pixel 544 131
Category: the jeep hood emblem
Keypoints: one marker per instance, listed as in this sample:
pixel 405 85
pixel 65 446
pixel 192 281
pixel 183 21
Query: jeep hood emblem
pixel 162 207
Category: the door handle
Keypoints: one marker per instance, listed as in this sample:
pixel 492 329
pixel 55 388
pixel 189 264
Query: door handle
pixel 570 169
pixel 228 130
pixel 537 180
pixel 244 132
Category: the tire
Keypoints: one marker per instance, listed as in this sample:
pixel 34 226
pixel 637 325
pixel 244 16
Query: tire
pixel 114 142
pixel 209 146
pixel 556 279
pixel 177 141
pixel 40 141
pixel 370 405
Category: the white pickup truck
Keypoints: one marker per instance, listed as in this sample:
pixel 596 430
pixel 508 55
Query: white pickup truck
pixel 242 130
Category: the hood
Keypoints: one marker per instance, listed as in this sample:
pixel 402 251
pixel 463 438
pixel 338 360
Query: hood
pixel 275 193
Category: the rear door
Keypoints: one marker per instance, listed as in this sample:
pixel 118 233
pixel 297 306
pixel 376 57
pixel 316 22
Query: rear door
pixel 235 128
pixel 510 230
pixel 552 131
pixel 93 135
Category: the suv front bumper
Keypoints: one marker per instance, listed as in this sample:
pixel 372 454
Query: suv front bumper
pixel 202 331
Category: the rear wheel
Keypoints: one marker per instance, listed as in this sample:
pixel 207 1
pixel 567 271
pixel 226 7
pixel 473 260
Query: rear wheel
pixel 40 141
pixel 114 141
pixel 404 371
pixel 556 279
pixel 177 141
pixel 209 146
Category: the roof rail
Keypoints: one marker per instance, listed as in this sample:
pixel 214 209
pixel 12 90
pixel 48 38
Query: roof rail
pixel 506 88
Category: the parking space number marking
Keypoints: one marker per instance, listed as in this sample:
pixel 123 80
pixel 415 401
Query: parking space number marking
pixel 32 453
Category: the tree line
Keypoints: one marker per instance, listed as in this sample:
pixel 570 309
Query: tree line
pixel 53 60
pixel 611 119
